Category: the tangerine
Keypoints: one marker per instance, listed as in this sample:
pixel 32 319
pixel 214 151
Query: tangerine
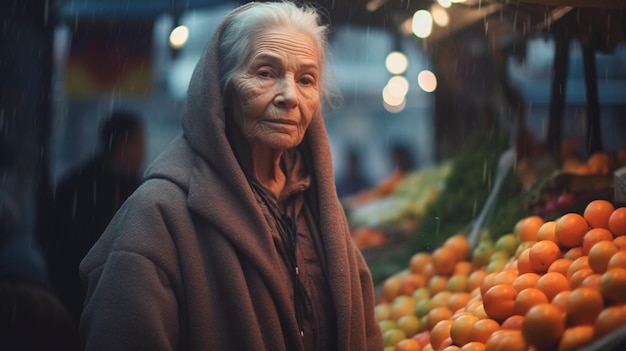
pixel 560 300
pixel 600 254
pixel 617 221
pixel 482 329
pixel 560 265
pixel 546 231
pixel 418 261
pixel 458 300
pixel 613 285
pixel 526 280
pixel 570 229
pixel 610 319
pixel 408 345
pixel 617 260
pixel 552 283
pixel 577 264
pixel 542 254
pixel 499 301
pixel 592 281
pixel 506 339
pixel 528 298
pixel 543 326
pixel 473 346
pixel 437 283
pixel 523 262
pixel 576 337
pixel 444 259
pixel 577 278
pixel 583 306
pixel 573 253
pixel 599 162
pixel 597 213
pixel 593 236
pixel 526 229
pixel 620 241
pixel 439 333
pixel 460 245
pixel 461 328
pixel 436 315
pixel 475 279
pixel 513 322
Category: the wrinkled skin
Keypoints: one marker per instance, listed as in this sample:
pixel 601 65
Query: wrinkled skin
pixel 272 100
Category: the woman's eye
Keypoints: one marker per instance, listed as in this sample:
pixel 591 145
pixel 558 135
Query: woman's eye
pixel 264 73
pixel 306 81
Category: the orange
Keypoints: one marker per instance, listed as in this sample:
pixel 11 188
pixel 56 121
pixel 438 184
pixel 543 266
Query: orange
pixel 440 299
pixel 592 281
pixel 402 306
pixel 458 300
pixel 617 260
pixel 457 283
pixel 436 315
pixel 560 265
pixel 609 320
pixel 408 345
pixel 599 162
pixel 552 283
pixel 488 282
pixel 411 282
pixel 475 279
pixel 620 241
pixel 523 262
pixel 560 300
pixel 505 277
pixel 577 278
pixel 473 346
pixel 444 259
pixel 526 280
pixel 410 324
pixel 482 329
pixel 429 270
pixel 506 339
pixel 583 306
pixel 528 298
pixel 499 301
pixel 391 288
pixel 461 329
pixel 573 253
pixel 418 261
pixel 576 337
pixel 526 229
pixel 437 283
pixel 542 254
pixel 577 264
pixel 543 326
pixel 613 285
pixel 570 229
pixel 439 333
pixel 600 254
pixel 617 221
pixel 521 247
pixel 593 236
pixel 546 231
pixel 597 213
pixel 463 267
pixel 460 245
pixel 513 322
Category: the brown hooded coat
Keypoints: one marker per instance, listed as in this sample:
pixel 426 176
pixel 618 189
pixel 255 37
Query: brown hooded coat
pixel 188 262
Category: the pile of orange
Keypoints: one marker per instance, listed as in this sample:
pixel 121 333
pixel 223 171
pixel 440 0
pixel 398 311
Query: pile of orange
pixel 558 285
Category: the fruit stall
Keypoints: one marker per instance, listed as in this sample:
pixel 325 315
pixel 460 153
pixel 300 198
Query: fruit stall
pixel 510 244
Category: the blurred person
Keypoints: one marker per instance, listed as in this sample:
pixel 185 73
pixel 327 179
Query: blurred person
pixel 31 317
pixel 85 201
pixel 236 240
pixel 353 180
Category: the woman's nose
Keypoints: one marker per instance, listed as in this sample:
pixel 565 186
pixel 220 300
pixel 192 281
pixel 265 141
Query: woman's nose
pixel 286 95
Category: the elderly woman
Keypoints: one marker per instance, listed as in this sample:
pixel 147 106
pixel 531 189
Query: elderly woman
pixel 236 239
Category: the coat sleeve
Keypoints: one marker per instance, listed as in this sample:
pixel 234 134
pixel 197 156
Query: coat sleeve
pixel 129 306
pixel 372 329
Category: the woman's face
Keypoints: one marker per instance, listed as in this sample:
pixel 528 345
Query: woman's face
pixel 274 96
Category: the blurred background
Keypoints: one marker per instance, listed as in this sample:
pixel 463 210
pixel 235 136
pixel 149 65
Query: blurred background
pixel 423 75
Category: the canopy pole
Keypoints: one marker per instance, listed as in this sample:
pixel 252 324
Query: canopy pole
pixel 593 137
pixel 557 98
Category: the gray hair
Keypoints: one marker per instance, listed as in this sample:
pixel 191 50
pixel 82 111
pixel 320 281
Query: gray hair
pixel 234 47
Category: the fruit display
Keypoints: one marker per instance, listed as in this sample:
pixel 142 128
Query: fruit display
pixel 547 284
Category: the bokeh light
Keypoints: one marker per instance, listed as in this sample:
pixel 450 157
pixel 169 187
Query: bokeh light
pixel 440 15
pixel 422 24
pixel 427 81
pixel 396 62
pixel 179 36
